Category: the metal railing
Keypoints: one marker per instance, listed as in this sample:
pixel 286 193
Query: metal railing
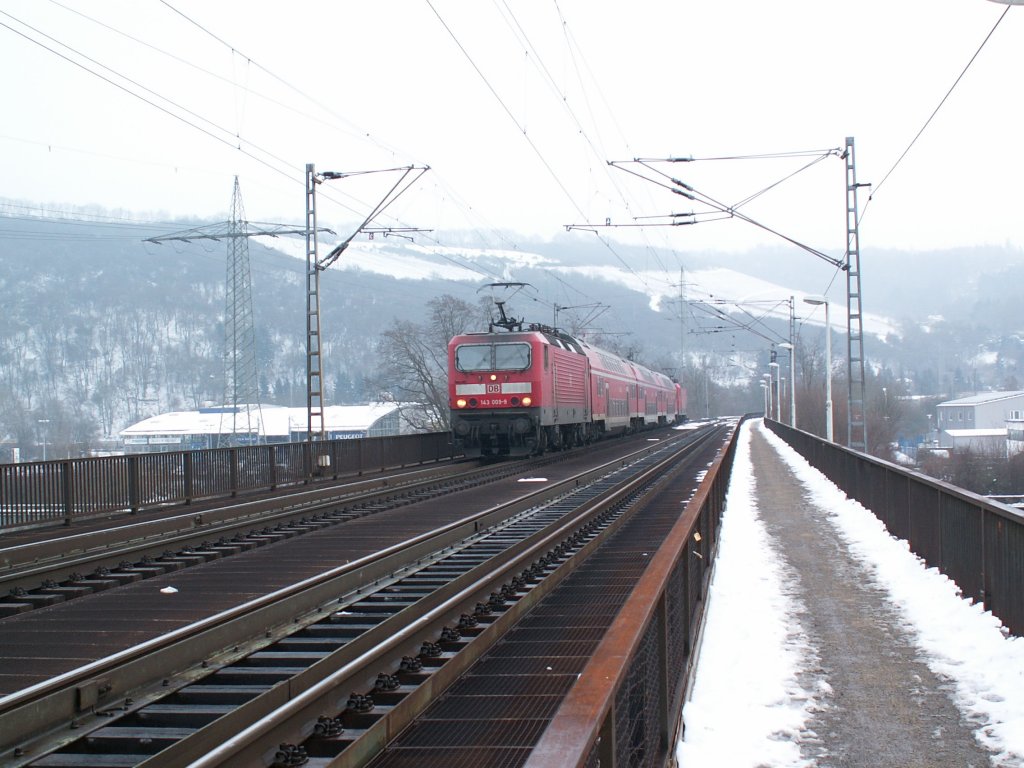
pixel 638 708
pixel 977 543
pixel 41 493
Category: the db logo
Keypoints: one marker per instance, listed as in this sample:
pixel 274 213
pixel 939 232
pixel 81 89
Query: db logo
pixel 493 389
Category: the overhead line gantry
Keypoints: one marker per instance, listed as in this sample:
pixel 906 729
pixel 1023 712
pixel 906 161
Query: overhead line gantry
pixel 315 265
pixel 849 263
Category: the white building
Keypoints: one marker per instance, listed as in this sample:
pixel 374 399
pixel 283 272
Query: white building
pixel 1015 433
pixel 978 423
pixel 250 425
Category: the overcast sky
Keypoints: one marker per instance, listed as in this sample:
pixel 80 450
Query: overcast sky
pixel 517 107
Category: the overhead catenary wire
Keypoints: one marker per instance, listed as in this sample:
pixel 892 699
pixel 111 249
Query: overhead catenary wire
pixel 681 188
pixel 522 130
pixel 236 51
pixel 943 101
pixel 644 280
pixel 291 86
pixel 563 100
pixel 576 54
pixel 355 131
pixel 713 309
pixel 729 211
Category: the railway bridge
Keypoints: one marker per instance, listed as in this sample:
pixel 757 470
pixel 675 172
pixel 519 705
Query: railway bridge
pixel 382 604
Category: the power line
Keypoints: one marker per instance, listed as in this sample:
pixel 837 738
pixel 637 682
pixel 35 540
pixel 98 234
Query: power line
pixel 462 205
pixel 355 131
pixel 936 110
pixel 169 112
pixel 130 92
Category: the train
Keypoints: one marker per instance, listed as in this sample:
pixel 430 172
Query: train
pixel 519 391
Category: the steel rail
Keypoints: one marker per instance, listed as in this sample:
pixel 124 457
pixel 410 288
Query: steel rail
pixel 47 705
pixel 291 720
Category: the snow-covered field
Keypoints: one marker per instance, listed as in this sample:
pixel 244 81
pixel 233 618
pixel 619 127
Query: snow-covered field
pixel 748 706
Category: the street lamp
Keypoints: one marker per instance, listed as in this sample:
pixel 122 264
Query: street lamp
pixel 792 382
pixel 764 393
pixel 42 430
pixel 777 393
pixel 817 301
pixel 768 383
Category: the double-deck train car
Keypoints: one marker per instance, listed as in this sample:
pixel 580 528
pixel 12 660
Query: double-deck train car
pixel 521 392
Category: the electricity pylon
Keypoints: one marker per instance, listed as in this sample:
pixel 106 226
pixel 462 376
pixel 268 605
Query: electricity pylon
pixel 241 382
pixel 241 388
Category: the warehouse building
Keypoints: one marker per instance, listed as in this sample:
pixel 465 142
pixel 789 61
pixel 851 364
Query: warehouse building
pixel 979 422
pixel 221 426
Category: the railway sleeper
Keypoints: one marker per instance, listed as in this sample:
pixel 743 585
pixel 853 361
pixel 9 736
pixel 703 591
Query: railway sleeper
pixel 139 740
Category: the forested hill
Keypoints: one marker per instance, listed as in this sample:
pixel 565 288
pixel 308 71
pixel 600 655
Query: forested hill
pixel 101 329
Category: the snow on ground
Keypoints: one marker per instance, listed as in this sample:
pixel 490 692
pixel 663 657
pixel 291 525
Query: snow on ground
pixel 744 702
pixel 958 639
pixel 747 709
pixel 383 259
pixel 412 261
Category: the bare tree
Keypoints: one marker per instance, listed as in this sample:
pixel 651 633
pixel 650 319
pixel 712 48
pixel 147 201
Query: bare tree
pixel 413 361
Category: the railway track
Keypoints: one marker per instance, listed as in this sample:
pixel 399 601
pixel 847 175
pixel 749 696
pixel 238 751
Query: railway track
pixel 377 625
pixel 45 569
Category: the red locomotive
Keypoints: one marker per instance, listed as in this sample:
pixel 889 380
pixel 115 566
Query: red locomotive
pixel 519 392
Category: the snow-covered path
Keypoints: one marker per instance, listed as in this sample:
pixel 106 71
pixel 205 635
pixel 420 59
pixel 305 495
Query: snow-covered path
pixel 760 682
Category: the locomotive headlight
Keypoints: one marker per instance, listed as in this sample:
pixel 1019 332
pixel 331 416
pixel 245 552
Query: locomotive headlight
pixel 461 403
pixel 494 377
pixel 527 400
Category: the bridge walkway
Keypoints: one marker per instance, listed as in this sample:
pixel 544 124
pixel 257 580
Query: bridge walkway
pixel 862 694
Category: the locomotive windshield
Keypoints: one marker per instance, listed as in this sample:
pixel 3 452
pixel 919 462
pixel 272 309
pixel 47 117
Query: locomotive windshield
pixel 492 357
pixel 473 357
pixel 511 357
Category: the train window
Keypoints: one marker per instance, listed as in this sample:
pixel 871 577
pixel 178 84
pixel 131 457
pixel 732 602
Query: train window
pixel 473 357
pixel 492 357
pixel 511 357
